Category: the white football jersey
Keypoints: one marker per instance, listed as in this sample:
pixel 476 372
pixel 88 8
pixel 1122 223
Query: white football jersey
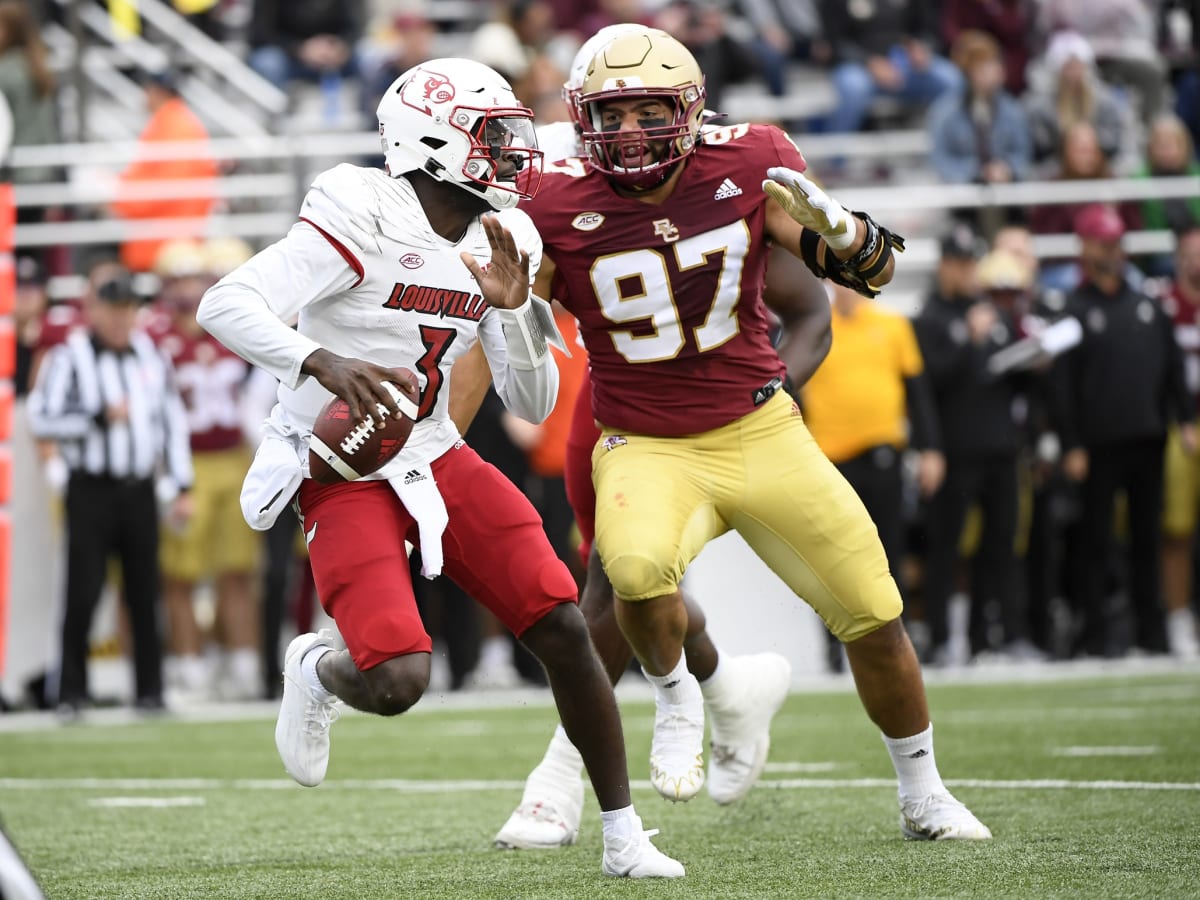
pixel 365 276
pixel 558 140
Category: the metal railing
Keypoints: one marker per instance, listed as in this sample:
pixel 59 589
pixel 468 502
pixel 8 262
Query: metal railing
pixel 277 194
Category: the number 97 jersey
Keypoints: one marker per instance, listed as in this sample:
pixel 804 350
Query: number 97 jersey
pixel 669 296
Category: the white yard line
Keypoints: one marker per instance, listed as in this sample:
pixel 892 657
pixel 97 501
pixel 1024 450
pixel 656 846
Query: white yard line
pixel 1105 751
pixel 466 786
pixel 145 802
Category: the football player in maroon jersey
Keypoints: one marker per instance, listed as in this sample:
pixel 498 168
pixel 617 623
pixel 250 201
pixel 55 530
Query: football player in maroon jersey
pixel 658 239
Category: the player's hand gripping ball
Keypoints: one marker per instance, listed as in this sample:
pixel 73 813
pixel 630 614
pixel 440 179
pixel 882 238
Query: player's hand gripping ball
pixel 343 450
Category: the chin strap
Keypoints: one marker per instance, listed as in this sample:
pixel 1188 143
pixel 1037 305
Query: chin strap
pixel 858 271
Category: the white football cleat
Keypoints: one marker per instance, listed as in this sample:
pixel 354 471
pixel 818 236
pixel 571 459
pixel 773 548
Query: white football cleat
pixel 677 749
pixel 302 730
pixel 741 725
pixel 636 857
pixel 940 817
pixel 538 825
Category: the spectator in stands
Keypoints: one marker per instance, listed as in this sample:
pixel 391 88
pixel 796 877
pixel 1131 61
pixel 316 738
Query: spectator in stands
pixel 979 134
pixel 170 120
pixel 611 12
pixel 1120 389
pixel 215 543
pixel 1067 90
pixel 702 26
pixel 1183 469
pixel 959 334
pixel 1123 36
pixel 27 83
pixel 1180 28
pixel 1169 153
pixel 883 50
pixel 1010 22
pixel 406 42
pixel 308 40
pixel 519 45
pixel 1080 159
pixel 109 398
pixel 784 30
pixel 868 402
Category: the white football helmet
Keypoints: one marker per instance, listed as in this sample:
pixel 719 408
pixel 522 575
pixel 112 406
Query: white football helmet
pixel 458 121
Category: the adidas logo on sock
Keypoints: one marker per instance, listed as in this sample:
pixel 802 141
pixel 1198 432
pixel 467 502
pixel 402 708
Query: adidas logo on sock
pixel 918 754
pixel 726 190
pixel 671 684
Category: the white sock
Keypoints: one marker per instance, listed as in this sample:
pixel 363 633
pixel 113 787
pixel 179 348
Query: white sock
pixel 676 686
pixel 308 669
pixel 559 773
pixel 716 685
pixel 620 824
pixel 916 769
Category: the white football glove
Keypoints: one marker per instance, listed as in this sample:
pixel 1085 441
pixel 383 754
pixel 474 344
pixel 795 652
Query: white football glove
pixel 811 207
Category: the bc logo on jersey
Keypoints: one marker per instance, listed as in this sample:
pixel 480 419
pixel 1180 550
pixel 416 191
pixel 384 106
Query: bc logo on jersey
pixel 665 230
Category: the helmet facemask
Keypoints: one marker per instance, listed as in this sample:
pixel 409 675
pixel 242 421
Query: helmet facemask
pixel 503 155
pixel 621 153
pixel 641 68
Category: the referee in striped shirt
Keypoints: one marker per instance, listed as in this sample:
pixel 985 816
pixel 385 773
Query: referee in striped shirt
pixel 108 397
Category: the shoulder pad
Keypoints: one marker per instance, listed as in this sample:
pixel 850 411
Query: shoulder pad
pixel 342 203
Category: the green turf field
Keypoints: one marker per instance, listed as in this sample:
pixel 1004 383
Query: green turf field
pixel 1092 788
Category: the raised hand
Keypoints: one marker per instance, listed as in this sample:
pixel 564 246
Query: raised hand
pixel 505 283
pixel 810 206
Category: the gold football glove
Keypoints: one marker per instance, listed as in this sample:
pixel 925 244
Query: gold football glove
pixel 810 206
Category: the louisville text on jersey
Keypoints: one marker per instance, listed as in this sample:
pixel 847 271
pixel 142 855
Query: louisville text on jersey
pixel 436 301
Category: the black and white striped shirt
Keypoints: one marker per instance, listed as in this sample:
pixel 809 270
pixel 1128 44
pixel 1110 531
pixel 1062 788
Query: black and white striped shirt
pixel 80 379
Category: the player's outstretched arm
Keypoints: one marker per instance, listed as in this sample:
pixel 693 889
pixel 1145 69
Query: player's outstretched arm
pixel 800 300
pixel 848 248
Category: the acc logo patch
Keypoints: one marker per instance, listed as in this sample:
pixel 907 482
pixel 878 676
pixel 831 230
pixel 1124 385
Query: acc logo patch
pixel 412 261
pixel 587 221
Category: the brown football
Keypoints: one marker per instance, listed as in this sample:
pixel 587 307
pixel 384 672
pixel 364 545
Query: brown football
pixel 341 449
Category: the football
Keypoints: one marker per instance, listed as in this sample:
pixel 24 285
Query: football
pixel 343 450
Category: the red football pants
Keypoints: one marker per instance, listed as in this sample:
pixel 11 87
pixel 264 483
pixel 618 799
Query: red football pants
pixel 494 548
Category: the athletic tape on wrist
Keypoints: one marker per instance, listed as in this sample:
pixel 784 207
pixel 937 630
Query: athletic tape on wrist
pixel 524 336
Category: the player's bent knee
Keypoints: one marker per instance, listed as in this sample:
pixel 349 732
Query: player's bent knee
pixel 636 576
pixel 559 637
pixel 398 683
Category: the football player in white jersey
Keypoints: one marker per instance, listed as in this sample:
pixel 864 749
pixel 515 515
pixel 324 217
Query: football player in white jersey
pixel 403 269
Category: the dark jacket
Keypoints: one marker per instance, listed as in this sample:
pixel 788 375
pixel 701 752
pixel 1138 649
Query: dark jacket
pixel 289 24
pixel 1124 382
pixel 886 24
pixel 980 414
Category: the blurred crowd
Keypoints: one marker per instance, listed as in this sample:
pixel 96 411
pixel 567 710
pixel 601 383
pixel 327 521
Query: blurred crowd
pixel 1060 393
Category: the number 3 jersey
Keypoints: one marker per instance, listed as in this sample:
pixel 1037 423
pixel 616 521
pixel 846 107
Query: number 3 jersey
pixel 669 296
pixel 366 277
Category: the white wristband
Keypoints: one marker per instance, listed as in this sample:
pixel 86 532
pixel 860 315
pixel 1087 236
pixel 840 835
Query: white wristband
pixel 524 336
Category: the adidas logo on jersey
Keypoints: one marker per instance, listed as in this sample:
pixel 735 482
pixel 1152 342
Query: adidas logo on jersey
pixel 726 190
pixel 413 476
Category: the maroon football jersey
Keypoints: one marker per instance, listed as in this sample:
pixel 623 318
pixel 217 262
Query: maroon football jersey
pixel 669 296
pixel 210 379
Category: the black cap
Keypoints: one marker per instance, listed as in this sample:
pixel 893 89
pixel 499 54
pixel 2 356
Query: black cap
pixel 117 288
pixel 960 242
